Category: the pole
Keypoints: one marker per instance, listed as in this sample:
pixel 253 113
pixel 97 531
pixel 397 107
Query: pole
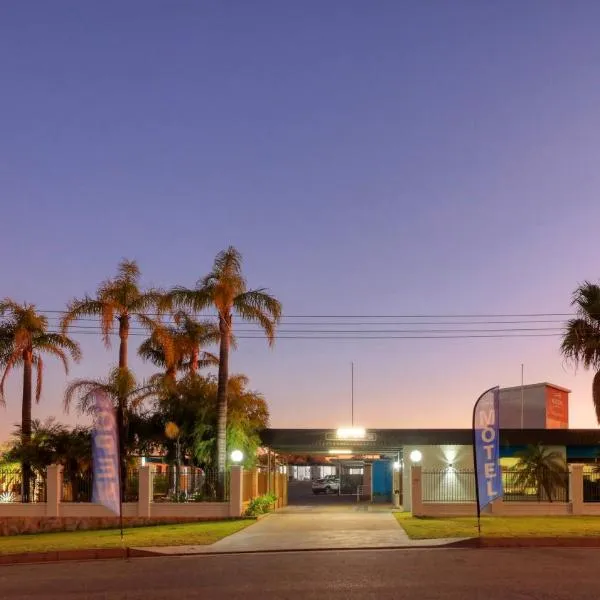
pixel 352 375
pixel 522 398
pixel 476 476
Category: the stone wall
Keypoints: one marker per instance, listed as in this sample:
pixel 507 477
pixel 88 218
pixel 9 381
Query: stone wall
pixel 20 525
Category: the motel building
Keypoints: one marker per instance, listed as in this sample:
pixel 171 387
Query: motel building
pixel 375 464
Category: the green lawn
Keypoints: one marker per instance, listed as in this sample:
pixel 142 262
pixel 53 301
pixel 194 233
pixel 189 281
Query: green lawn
pixel 431 528
pixel 158 535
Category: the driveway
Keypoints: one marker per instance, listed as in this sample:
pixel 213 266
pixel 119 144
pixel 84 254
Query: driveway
pixel 313 528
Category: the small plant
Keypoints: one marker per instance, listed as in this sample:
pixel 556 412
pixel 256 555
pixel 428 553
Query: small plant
pixel 178 497
pixel 7 497
pixel 261 505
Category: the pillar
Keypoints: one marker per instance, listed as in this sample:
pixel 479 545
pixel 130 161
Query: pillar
pixel 236 491
pixel 576 489
pixel 145 495
pixel 416 491
pixel 53 490
pixel 368 481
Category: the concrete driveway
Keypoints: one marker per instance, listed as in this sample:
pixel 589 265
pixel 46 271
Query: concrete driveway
pixel 314 528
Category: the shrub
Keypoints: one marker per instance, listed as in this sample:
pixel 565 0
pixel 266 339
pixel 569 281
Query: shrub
pixel 260 505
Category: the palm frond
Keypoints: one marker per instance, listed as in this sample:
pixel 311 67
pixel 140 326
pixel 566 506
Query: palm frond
pixel 39 367
pixel 193 299
pixel 60 341
pixel 82 391
pixel 581 342
pixel 259 307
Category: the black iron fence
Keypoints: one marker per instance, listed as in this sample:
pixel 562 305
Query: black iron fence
pixel 12 490
pixel 520 486
pixel 591 484
pixel 187 484
pixel 78 487
pixel 448 485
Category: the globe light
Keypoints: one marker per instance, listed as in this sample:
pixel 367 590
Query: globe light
pixel 416 456
pixel 237 456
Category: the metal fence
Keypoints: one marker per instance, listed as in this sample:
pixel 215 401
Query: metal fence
pixel 591 484
pixel 520 488
pixel 11 486
pixel 448 485
pixel 78 487
pixel 187 484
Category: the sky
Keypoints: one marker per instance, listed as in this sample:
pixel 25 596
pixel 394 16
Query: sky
pixel 367 158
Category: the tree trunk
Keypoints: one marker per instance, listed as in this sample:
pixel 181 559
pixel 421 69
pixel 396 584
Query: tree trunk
pixel 225 331
pixel 122 404
pixel 26 425
pixel 194 361
pixel 596 394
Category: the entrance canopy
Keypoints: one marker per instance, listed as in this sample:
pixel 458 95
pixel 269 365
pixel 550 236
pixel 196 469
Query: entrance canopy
pixel 392 441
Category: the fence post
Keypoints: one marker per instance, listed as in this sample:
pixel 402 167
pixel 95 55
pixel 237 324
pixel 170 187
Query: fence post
pixel 53 490
pixel 576 489
pixel 236 491
pixel 144 491
pixel 416 491
pixel 254 483
pixel 368 481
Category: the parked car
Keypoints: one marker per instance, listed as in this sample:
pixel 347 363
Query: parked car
pixel 328 484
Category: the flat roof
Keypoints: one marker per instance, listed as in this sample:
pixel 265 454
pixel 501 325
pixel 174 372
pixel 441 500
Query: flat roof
pixel 536 385
pixel 300 441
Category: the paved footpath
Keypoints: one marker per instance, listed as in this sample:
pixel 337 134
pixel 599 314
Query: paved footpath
pixel 313 528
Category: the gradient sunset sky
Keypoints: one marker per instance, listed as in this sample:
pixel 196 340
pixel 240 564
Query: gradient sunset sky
pixel 367 158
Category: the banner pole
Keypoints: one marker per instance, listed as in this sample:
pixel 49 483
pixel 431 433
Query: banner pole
pixel 475 465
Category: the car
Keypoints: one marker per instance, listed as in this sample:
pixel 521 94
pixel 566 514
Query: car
pixel 326 485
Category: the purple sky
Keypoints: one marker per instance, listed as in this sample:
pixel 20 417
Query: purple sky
pixel 366 157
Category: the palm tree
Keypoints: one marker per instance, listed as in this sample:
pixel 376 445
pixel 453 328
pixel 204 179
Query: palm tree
pixel 24 339
pixel 169 347
pixel 581 341
pixel 542 469
pixel 225 289
pixel 118 300
pixel 125 393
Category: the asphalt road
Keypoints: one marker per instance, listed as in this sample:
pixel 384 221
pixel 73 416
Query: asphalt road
pixel 549 574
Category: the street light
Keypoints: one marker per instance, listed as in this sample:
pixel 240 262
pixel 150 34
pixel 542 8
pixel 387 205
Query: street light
pixel 237 456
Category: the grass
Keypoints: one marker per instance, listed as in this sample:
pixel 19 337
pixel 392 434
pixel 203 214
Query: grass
pixel 432 528
pixel 159 535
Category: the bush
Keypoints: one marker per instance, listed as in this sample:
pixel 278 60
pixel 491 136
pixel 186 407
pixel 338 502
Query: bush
pixel 260 505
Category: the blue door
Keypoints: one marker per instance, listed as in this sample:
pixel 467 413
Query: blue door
pixel 382 480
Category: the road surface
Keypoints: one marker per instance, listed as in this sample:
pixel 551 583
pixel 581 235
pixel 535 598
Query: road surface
pixel 448 574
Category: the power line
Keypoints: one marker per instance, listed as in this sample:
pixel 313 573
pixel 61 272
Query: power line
pixel 367 316
pixel 97 329
pixel 354 336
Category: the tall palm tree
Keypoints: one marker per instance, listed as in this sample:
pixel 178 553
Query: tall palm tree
pixel 24 339
pixel 542 469
pixel 225 289
pixel 178 348
pixel 118 301
pixel 581 340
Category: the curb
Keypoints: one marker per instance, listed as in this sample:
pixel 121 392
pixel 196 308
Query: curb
pixel 69 555
pixel 125 553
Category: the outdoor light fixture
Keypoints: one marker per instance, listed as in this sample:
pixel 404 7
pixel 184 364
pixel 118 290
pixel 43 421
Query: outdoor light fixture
pixel 336 451
pixel 351 433
pixel 237 456
pixel 396 465
pixel 416 456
